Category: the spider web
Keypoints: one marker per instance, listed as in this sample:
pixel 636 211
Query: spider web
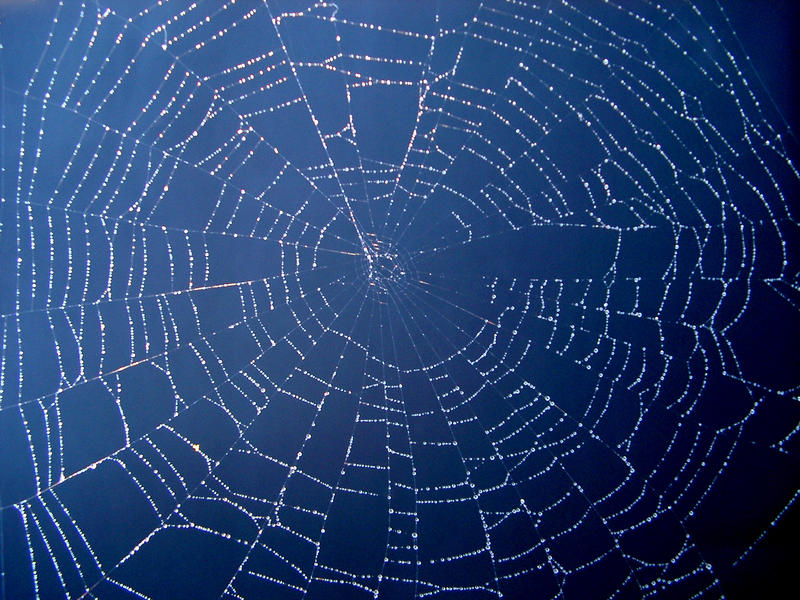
pixel 392 300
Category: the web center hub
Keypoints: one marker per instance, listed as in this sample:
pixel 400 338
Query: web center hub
pixel 384 267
